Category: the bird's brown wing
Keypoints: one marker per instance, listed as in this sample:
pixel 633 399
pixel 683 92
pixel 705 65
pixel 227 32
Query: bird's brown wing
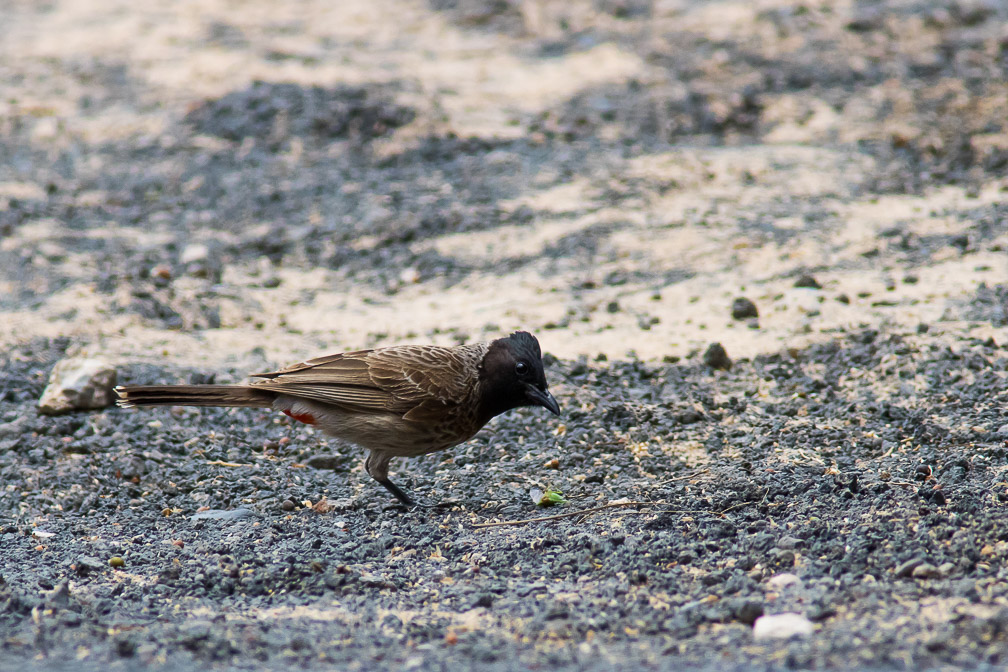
pixel 423 380
pixel 341 379
pixel 404 380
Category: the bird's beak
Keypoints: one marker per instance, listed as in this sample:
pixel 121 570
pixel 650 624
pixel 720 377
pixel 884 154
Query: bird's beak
pixel 542 398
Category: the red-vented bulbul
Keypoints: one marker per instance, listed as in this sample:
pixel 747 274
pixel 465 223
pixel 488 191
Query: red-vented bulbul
pixel 402 400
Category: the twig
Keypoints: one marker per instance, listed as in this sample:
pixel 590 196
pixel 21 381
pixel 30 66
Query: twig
pixel 222 463
pixel 685 477
pixel 732 508
pixel 569 514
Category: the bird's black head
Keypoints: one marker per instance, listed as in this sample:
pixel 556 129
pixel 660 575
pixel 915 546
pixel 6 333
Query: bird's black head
pixel 512 375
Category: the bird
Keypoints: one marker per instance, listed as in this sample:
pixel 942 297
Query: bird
pixel 395 401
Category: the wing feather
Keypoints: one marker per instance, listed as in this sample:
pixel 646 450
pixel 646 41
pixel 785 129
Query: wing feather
pixel 413 381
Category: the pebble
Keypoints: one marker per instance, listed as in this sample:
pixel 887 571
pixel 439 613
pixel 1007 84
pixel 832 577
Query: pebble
pixel 199 262
pixel 789 543
pixel 748 611
pixel 16 428
pixel 224 514
pixel 925 571
pixel 742 308
pixel 194 253
pixel 807 281
pixel 782 626
pixel 409 276
pixel 865 20
pixel 59 596
pixel 716 357
pixel 906 569
pixel 783 580
pixel 87 564
pixel 323 461
pixel 78 384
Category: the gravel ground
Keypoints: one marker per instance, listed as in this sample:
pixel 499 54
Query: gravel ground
pixel 194 193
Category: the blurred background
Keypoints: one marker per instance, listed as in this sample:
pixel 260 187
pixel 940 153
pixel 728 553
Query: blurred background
pixel 193 179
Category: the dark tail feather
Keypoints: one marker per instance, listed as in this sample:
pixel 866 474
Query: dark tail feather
pixel 193 395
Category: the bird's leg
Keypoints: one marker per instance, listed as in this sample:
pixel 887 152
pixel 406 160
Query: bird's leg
pixel 376 466
pixel 406 500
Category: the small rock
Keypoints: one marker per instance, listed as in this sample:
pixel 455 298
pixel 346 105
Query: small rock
pixel 116 562
pixel 162 273
pixel 485 600
pixel 748 611
pixel 689 416
pixel 925 571
pixel 77 384
pixel 200 262
pixel 784 557
pixel 973 12
pixel 645 322
pixel 966 588
pixel 844 299
pixel 716 357
pixel 16 427
pixel 820 611
pixel 409 276
pixel 194 253
pixel 961 241
pixel 782 626
pixel 783 580
pixel 789 543
pixel 807 281
pixel 222 514
pixel 742 308
pixel 45 129
pixel 287 505
pixel 87 564
pixel 906 569
pixel 865 20
pixel 59 596
pixel 323 462
pixel 125 647
pixel 131 467
pixel 376 581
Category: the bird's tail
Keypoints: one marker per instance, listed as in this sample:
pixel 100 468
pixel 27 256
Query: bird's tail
pixel 193 395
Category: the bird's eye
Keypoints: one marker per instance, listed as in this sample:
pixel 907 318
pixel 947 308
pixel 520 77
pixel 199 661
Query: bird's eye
pixel 521 368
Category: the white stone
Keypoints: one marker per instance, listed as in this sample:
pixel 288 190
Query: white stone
pixel 193 253
pixel 782 626
pixel 77 384
pixel 783 580
pixel 409 276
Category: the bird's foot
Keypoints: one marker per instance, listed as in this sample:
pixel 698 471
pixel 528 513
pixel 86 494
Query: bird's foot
pixel 408 503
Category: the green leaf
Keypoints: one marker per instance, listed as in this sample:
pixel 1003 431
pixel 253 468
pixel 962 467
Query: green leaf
pixel 551 498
